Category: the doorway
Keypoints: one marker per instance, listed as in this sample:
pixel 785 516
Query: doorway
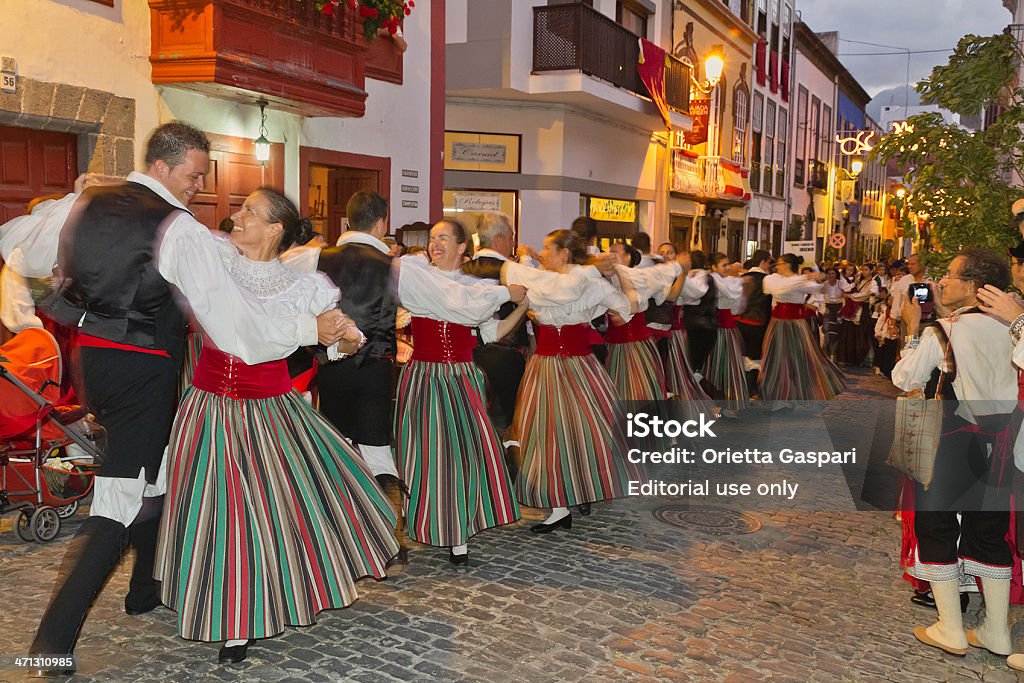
pixel 234 172
pixel 331 178
pixel 34 163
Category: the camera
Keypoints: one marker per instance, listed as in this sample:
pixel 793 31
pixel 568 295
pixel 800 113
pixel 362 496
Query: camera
pixel 922 291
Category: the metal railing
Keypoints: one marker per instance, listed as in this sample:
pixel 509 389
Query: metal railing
pixel 575 37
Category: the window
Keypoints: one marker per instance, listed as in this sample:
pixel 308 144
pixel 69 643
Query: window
pixel 757 112
pixel 631 17
pixel 769 148
pixel 826 133
pixel 783 128
pixel 800 137
pixel 739 131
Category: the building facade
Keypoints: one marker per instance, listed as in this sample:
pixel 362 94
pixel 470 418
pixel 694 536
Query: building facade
pixel 547 118
pixel 343 113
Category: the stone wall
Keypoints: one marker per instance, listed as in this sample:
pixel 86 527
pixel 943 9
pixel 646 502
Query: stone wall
pixel 104 123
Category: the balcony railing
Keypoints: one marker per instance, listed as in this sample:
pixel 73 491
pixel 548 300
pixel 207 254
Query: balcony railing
pixel 755 176
pixel 818 176
pixel 575 37
pixel 708 177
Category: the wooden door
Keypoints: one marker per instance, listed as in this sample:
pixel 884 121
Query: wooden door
pixel 234 173
pixel 342 183
pixel 34 163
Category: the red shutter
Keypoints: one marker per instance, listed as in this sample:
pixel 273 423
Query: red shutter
pixel 785 80
pixel 760 55
pixel 773 71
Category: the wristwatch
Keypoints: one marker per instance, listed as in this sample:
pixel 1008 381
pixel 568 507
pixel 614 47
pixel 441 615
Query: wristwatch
pixel 1017 328
pixel 911 341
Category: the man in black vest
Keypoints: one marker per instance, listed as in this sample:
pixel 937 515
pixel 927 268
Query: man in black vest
pixel 355 394
pixel 700 316
pixel 124 253
pixel 753 322
pixel 503 362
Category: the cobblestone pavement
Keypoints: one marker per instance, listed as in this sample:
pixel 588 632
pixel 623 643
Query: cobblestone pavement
pixel 626 595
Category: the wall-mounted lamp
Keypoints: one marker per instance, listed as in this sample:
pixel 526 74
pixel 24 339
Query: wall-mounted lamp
pixel 856 166
pixel 714 63
pixel 901 192
pixel 262 144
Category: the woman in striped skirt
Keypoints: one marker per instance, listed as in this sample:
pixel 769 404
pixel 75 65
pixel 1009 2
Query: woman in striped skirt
pixel 570 426
pixel 724 368
pixel 270 516
pixel 794 367
pixel 448 451
pixel 633 361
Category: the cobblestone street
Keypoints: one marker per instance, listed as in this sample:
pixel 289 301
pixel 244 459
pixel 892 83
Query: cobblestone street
pixel 637 591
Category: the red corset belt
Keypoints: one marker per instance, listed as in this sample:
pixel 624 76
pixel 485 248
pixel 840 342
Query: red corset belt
pixel 726 320
pixel 565 341
pixel 785 311
pixel 677 317
pixel 225 375
pixel 635 330
pixel 436 341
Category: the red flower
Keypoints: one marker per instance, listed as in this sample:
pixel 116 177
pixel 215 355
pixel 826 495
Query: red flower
pixel 373 12
pixel 411 3
pixel 408 11
pixel 328 9
pixel 364 11
pixel 352 4
pixel 392 29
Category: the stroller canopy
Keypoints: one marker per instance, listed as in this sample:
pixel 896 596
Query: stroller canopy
pixel 32 357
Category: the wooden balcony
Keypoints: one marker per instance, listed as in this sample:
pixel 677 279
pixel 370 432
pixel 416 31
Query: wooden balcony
pixel 284 50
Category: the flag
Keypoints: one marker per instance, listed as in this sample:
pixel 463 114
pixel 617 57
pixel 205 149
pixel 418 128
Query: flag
pixel 651 67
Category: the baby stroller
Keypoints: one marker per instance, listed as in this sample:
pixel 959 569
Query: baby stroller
pixel 47 449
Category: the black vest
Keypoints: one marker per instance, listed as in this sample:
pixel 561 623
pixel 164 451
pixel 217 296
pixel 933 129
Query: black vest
pixel 759 304
pixel 704 314
pixel 489 268
pixel 112 288
pixel 363 274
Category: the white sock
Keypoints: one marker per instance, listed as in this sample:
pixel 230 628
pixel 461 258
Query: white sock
pixel 235 643
pixel 556 514
pixel 510 443
pixel 460 549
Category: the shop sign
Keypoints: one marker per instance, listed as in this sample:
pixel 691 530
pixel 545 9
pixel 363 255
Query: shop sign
pixel 479 153
pixel 615 210
pixel 700 113
pixel 803 248
pixel 478 201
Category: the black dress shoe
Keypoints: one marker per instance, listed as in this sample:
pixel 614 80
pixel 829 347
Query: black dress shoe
pixel 458 560
pixel 135 609
pixel 923 598
pixel 235 653
pixel 584 509
pixel 563 523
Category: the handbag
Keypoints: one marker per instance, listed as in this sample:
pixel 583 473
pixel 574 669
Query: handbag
pixel 919 425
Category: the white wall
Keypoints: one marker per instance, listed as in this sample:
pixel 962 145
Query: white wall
pixel 83 43
pixel 818 85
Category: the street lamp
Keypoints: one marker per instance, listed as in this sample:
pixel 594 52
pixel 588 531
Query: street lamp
pixel 714 63
pixel 261 143
pixel 856 166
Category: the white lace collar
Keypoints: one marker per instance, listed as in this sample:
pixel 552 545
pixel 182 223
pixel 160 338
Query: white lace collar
pixel 265 279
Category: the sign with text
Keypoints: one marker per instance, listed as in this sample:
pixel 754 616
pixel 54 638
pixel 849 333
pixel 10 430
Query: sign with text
pixel 804 248
pixel 480 153
pixel 700 112
pixel 492 152
pixel 478 201
pixel 616 210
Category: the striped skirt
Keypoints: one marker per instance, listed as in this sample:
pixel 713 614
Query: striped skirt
pixel 724 369
pixel 572 433
pixel 635 370
pixel 270 518
pixel 794 368
pixel 449 454
pixel 680 381
pixel 193 347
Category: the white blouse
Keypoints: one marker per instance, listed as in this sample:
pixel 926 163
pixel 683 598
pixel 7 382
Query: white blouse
pixel 694 287
pixel 577 296
pixel 652 282
pixel 792 289
pixel 728 291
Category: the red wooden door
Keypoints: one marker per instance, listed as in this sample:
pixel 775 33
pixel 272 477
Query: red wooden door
pixel 34 163
pixel 342 183
pixel 234 173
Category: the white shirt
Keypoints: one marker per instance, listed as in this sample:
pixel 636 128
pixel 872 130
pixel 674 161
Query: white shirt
pixel 358 237
pixel 791 289
pixel 985 382
pixel 17 308
pixel 833 293
pixel 694 287
pixel 193 260
pixel 650 283
pixel 577 296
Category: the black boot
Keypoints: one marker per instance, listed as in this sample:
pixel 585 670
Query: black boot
pixel 89 560
pixel 144 591
pixel 393 489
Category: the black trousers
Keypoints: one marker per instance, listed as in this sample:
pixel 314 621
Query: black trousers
pixel 753 339
pixel 699 342
pixel 357 399
pixel 973 483
pixel 503 367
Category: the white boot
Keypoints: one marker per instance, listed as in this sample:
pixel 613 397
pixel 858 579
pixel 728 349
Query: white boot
pixel 994 634
pixel 948 632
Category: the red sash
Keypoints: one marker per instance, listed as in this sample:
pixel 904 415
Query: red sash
pixel 225 375
pixel 726 320
pixel 635 330
pixel 566 341
pixel 785 311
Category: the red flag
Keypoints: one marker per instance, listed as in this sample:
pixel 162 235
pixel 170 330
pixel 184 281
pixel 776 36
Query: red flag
pixel 651 67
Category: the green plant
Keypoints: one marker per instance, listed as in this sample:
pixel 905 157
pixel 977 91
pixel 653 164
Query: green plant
pixel 375 14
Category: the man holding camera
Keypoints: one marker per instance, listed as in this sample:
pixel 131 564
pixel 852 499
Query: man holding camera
pixel 923 290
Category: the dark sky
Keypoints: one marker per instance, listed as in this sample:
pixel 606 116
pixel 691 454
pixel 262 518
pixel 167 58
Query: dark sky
pixel 913 24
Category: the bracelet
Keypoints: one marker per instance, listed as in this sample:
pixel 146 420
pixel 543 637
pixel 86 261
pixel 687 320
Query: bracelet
pixel 911 341
pixel 1017 327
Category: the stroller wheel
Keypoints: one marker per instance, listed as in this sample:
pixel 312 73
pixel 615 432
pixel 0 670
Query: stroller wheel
pixel 45 524
pixel 23 527
pixel 68 510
